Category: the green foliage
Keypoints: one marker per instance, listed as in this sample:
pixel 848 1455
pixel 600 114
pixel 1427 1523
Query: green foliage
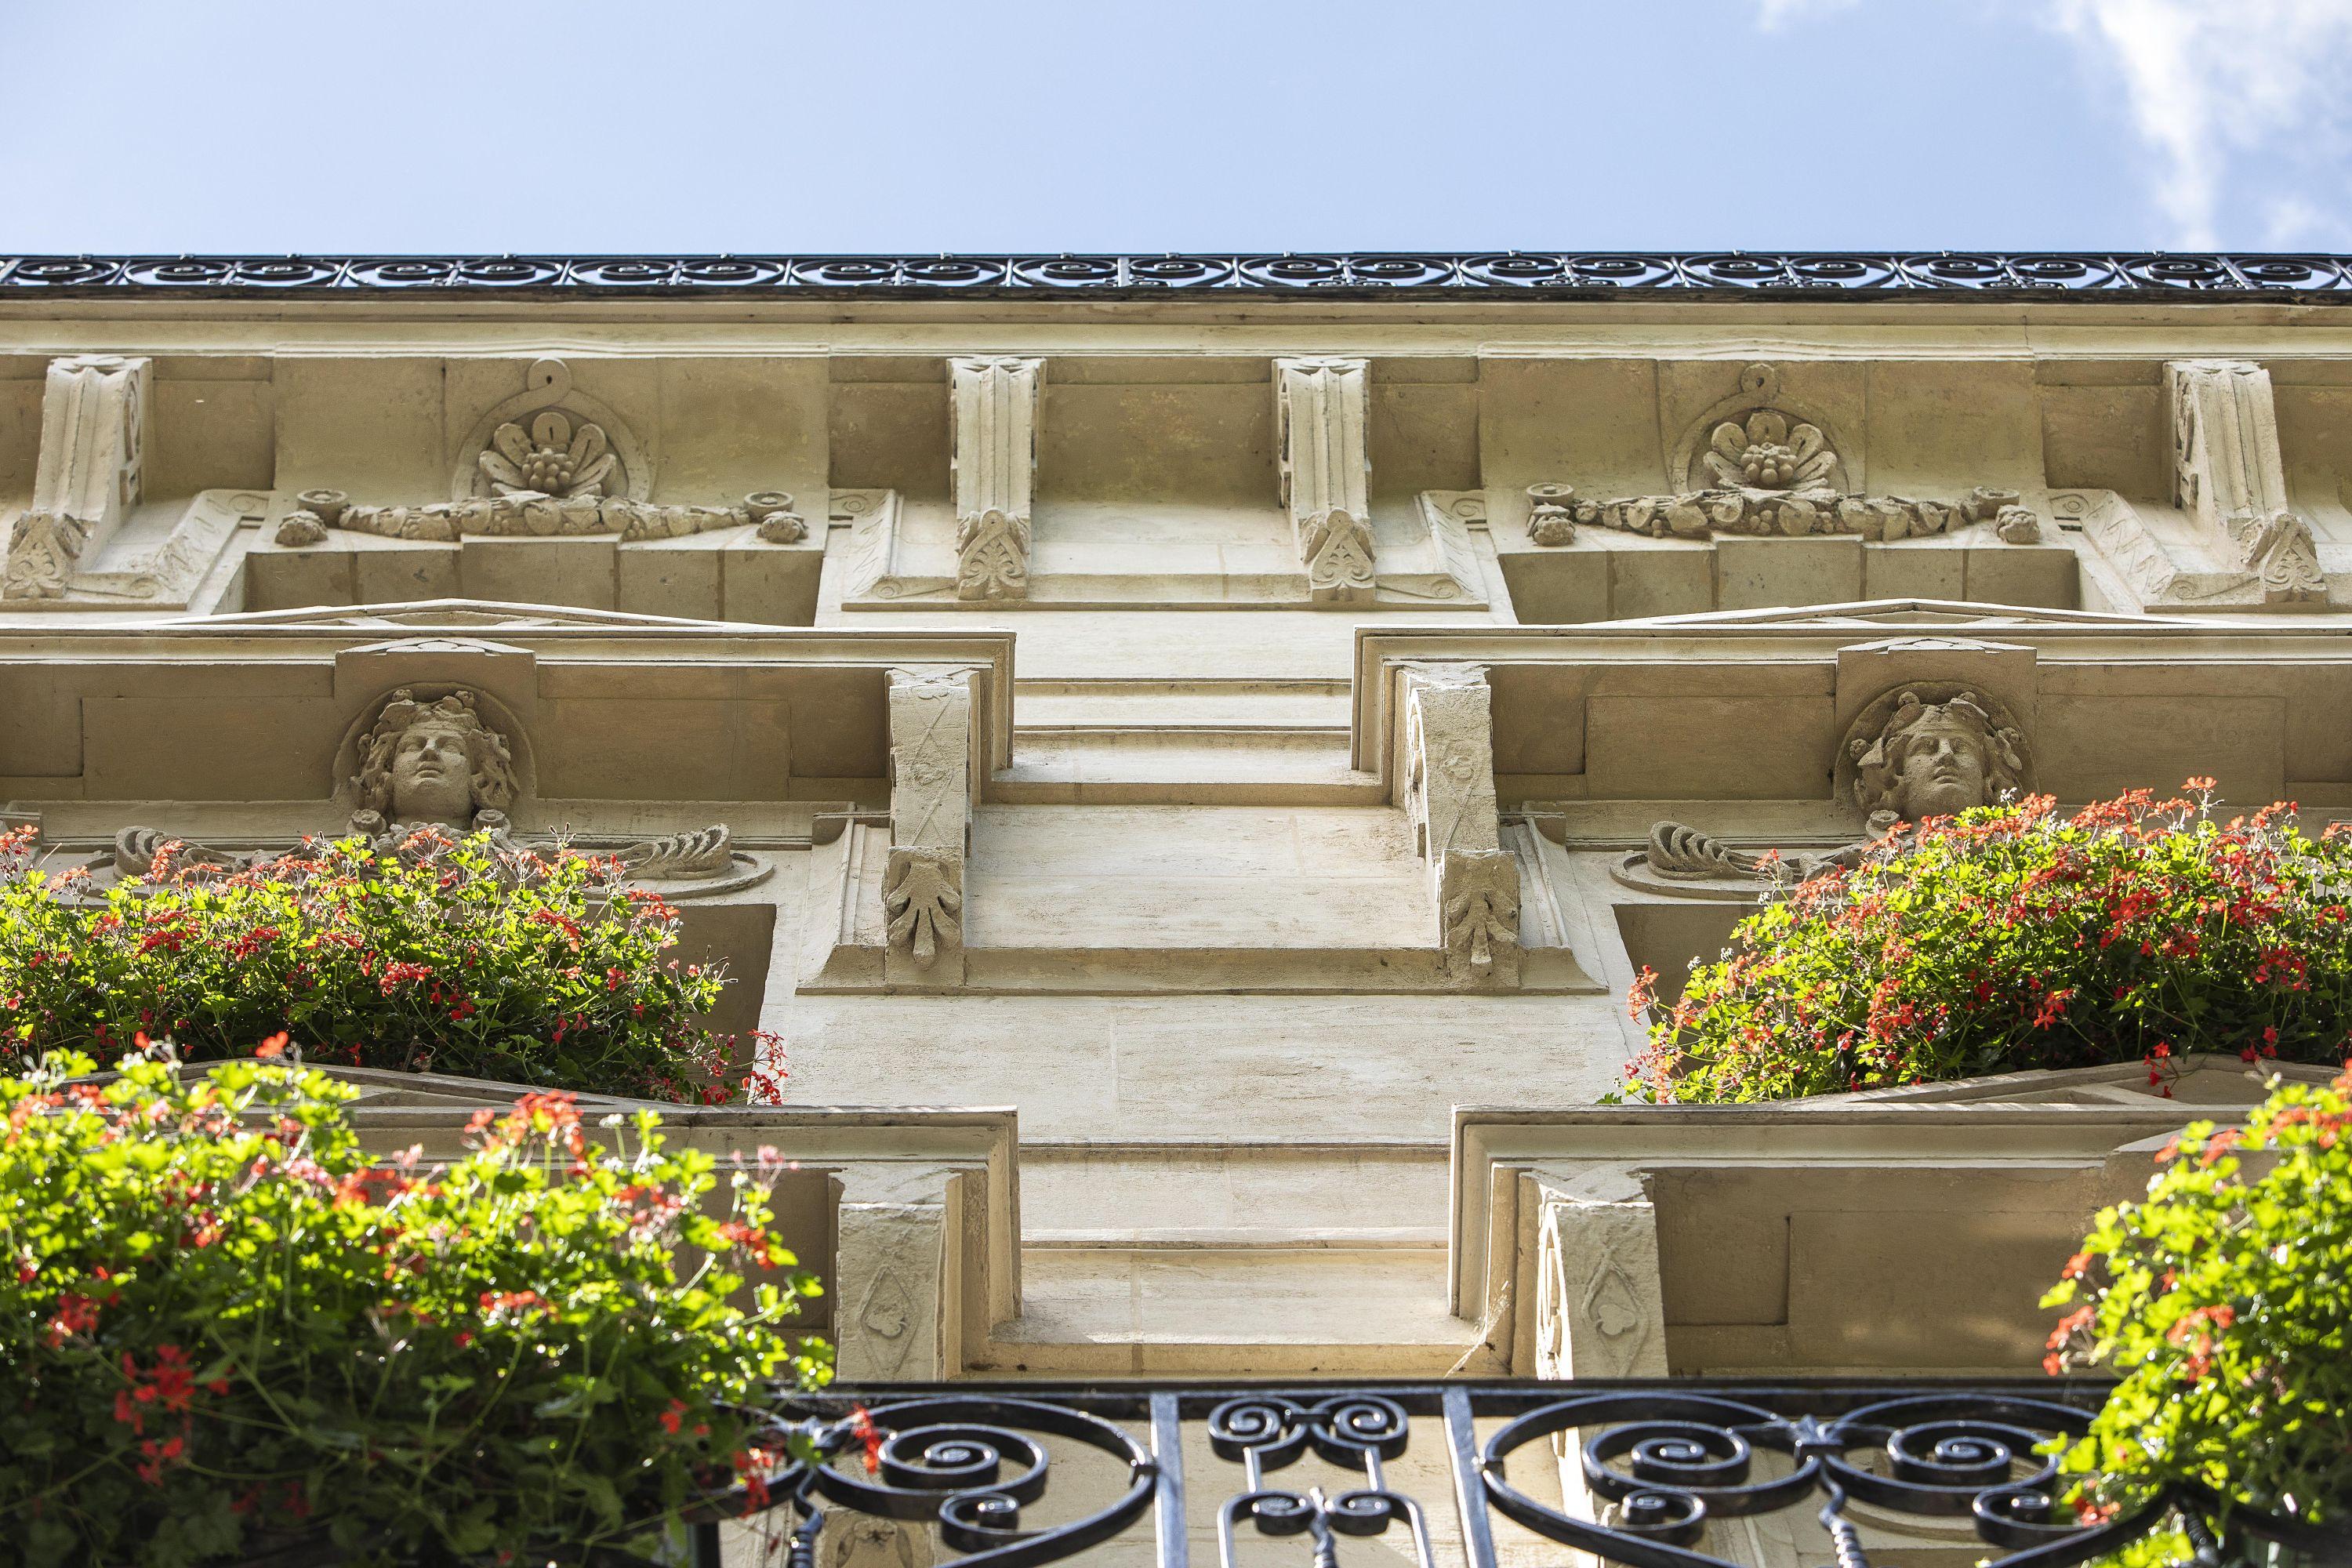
pixel 2224 1302
pixel 457 956
pixel 2012 938
pixel 222 1329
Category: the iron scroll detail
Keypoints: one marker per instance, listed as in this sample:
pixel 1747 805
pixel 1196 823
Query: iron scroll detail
pixel 1794 276
pixel 1666 1474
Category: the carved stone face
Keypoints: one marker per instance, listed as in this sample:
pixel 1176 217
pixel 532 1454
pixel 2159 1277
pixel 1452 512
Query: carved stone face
pixel 432 775
pixel 1947 767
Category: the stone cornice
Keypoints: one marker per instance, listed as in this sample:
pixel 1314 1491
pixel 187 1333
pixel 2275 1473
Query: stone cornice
pixel 2110 276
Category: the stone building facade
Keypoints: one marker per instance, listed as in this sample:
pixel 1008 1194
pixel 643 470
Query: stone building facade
pixel 1188 754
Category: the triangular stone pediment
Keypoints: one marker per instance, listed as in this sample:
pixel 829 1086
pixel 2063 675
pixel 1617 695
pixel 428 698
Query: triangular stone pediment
pixel 1913 613
pixel 472 615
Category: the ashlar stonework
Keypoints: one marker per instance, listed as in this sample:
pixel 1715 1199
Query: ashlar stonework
pixel 1189 776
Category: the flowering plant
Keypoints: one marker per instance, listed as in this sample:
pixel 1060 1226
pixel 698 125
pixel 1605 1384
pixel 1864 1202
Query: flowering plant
pixel 2014 937
pixel 2225 1303
pixel 223 1331
pixel 458 956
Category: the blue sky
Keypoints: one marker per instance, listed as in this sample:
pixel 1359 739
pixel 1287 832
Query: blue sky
pixel 695 125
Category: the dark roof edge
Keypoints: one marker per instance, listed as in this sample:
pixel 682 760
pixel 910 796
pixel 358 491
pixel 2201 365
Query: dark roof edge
pixel 2119 277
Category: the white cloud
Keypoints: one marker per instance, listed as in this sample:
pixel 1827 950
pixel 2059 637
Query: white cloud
pixel 2241 102
pixel 2208 82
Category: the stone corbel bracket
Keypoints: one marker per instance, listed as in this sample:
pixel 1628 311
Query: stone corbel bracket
pixel 94 414
pixel 994 416
pixel 932 778
pixel 1446 773
pixel 1319 412
pixel 2227 474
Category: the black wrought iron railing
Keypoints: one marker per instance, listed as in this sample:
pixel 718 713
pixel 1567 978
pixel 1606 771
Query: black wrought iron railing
pixel 2114 276
pixel 1465 1475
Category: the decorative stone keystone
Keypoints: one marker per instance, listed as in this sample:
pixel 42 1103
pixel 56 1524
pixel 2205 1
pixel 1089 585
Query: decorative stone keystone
pixel 2227 474
pixel 1449 794
pixel 930 825
pixel 93 425
pixel 1327 470
pixel 995 417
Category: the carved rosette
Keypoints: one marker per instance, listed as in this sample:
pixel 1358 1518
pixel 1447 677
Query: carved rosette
pixel 552 440
pixel 551 460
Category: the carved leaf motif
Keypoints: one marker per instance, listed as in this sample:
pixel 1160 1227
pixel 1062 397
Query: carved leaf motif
pixel 512 444
pixel 922 896
pixel 1610 1301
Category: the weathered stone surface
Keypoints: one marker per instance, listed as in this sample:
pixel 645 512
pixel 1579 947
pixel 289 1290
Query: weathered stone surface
pixel 1319 419
pixel 995 431
pixel 94 416
pixel 1338 798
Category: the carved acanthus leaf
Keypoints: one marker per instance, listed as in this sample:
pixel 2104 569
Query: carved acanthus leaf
pixel 922 894
pixel 993 556
pixel 1478 912
pixel 1338 550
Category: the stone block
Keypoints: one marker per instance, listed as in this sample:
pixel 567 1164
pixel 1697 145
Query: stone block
pixel 1762 574
pixel 1938 571
pixel 540 571
pixel 393 576
pixel 1566 586
pixel 1669 579
pixel 2041 574
pixel 771 585
pixel 288 579
pixel 665 580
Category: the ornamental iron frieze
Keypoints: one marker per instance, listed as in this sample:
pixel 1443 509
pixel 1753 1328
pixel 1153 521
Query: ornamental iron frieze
pixel 2109 276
